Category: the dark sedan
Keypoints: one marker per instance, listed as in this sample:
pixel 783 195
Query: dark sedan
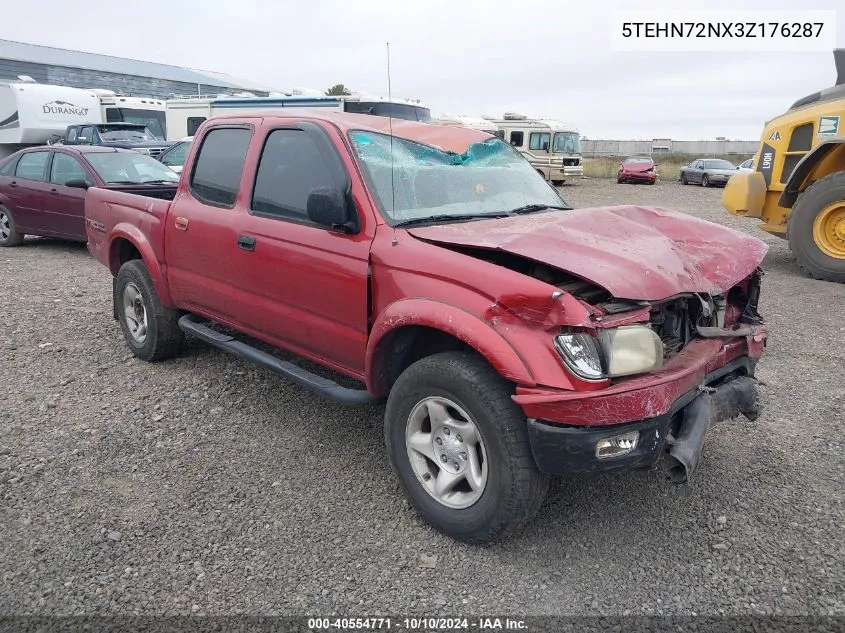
pixel 637 169
pixel 42 189
pixel 707 171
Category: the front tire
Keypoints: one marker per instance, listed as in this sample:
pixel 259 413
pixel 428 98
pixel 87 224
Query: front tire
pixel 705 181
pixel 460 448
pixel 816 229
pixel 9 236
pixel 151 330
pixel 684 180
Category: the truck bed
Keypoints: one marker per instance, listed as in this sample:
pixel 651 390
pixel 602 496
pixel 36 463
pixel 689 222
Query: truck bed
pixel 127 211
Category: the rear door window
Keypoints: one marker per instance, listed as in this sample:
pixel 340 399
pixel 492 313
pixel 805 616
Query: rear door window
pixel 31 166
pixel 66 168
pixel 219 164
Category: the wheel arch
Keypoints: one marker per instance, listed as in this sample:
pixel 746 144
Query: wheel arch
pixel 826 158
pixel 127 243
pixel 411 329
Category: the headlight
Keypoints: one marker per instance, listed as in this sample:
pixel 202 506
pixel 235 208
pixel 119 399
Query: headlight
pixel 581 355
pixel 142 150
pixel 621 351
pixel 631 349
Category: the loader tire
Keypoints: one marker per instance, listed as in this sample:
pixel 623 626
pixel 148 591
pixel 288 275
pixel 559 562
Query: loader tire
pixel 816 229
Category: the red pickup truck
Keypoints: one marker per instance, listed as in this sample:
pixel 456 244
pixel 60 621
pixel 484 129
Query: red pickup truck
pixel 513 337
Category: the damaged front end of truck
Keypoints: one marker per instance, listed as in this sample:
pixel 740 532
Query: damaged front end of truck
pixel 657 324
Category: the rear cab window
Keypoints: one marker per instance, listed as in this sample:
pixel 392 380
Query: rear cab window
pixel 219 164
pixel 32 166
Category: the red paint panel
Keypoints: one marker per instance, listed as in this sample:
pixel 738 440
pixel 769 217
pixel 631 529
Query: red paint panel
pixel 634 252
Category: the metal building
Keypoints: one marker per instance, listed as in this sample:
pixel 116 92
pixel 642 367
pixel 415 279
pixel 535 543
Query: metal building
pixel 720 147
pixel 125 76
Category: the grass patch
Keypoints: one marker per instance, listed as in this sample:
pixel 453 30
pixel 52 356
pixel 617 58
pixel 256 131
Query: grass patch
pixel 668 165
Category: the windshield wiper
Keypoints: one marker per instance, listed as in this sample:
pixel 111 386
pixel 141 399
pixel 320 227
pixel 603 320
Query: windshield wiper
pixel 159 182
pixel 435 219
pixel 123 182
pixel 532 208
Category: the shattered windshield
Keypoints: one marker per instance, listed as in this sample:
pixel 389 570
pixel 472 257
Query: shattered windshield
pixel 489 179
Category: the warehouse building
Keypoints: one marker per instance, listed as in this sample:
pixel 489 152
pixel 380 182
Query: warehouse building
pixel 129 77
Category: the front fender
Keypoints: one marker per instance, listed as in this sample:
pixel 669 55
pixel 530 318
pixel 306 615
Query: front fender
pixel 454 321
pixel 828 157
pixel 132 234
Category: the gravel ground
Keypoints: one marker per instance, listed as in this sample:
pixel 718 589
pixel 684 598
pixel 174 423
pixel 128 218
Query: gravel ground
pixel 205 485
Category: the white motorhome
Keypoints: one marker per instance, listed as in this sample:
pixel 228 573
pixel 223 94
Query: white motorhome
pixel 144 110
pixel 35 114
pixel 553 148
pixel 472 122
pixel 184 115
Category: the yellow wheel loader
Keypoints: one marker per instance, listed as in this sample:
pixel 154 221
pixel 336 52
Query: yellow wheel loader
pixel 797 188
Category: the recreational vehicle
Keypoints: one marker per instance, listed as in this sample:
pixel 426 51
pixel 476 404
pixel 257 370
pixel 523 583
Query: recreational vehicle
pixel 35 114
pixel 475 123
pixel 144 110
pixel 553 148
pixel 184 115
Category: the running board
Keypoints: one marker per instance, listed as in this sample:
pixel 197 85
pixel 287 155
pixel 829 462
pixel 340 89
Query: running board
pixel 323 386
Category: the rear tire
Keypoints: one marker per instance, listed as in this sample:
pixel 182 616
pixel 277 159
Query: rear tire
pixel 151 330
pixel 9 236
pixel 508 489
pixel 812 229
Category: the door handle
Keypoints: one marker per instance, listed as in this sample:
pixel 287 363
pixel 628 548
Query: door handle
pixel 13 184
pixel 246 242
pixel 54 191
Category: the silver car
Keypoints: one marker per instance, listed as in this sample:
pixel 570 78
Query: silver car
pixel 707 171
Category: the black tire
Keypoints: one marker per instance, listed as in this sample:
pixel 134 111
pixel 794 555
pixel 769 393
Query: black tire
pixel 558 183
pixel 163 337
pixel 619 181
pixel 7 222
pixel 684 179
pixel 812 260
pixel 515 488
pixel 705 181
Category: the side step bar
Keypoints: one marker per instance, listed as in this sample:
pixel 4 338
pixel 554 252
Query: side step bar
pixel 194 325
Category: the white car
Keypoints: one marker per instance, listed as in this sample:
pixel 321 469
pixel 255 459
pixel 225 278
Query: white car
pixel 174 156
pixel 747 165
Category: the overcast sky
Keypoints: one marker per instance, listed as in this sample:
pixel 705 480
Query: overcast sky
pixel 542 58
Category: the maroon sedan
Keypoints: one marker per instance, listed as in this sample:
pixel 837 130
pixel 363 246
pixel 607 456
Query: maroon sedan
pixel 42 189
pixel 637 169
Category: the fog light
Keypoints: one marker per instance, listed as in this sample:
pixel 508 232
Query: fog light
pixel 617 445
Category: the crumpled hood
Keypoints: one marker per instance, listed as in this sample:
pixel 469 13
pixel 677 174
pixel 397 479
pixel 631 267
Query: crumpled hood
pixel 637 167
pixel 633 252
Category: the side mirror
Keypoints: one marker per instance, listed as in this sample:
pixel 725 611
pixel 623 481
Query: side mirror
pixel 545 147
pixel 77 183
pixel 326 206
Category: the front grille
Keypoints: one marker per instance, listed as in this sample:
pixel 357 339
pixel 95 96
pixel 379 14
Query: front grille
pixel 155 152
pixel 675 321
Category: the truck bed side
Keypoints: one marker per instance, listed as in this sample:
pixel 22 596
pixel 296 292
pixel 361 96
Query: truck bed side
pixel 122 226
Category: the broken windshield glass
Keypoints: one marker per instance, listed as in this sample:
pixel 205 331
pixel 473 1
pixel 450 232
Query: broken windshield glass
pixel 420 181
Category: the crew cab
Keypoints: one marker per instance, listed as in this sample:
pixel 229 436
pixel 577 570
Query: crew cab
pixel 513 337
pixel 134 136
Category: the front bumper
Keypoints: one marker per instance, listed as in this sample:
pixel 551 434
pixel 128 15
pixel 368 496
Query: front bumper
pixel 644 176
pixel 679 432
pixel 572 170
